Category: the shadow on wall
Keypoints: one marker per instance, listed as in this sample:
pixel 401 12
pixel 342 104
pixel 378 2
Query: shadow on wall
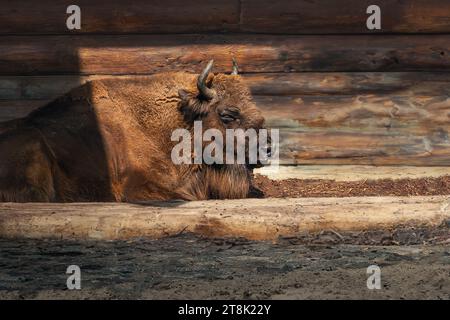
pixel 61 138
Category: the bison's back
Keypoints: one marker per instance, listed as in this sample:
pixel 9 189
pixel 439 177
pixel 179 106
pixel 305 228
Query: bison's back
pixel 103 141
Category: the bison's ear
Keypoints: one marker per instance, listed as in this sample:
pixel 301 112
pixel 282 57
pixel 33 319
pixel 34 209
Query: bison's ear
pixel 185 96
pixel 192 106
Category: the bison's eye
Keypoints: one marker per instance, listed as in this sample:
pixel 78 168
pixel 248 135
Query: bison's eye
pixel 229 115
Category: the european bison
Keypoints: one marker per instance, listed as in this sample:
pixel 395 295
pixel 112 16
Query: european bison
pixel 110 140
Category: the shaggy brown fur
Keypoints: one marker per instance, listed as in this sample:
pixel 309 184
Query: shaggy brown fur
pixel 109 140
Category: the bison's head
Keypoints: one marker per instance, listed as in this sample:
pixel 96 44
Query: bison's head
pixel 221 102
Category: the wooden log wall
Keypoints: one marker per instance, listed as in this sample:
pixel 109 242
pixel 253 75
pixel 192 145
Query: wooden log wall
pixel 340 93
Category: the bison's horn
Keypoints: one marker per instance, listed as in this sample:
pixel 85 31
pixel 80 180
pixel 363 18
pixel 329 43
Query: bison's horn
pixel 206 92
pixel 235 67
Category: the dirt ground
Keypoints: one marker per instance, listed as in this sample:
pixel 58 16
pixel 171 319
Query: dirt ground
pixel 326 265
pixel 294 188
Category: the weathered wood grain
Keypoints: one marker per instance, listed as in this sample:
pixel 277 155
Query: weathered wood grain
pixel 258 219
pixel 381 129
pixel 265 84
pixel 139 54
pixel 417 114
pixel 356 146
pixel 337 16
pixel 348 83
pixel 104 16
pixel 260 16
pixel 13 109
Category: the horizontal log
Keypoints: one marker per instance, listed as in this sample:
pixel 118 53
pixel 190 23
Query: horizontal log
pixel 347 146
pixel 105 16
pixel 351 172
pixel 387 113
pixel 349 83
pixel 261 16
pixel 139 54
pixel 336 16
pixel 258 219
pixel 266 84
pixel 383 129
pixel 13 109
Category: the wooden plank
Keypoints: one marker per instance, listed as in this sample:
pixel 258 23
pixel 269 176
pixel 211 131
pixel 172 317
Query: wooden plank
pixel 139 54
pixel 265 84
pixel 383 129
pixel 258 219
pixel 104 16
pixel 40 87
pixel 261 16
pixel 348 83
pixel 340 146
pixel 13 109
pixel 386 113
pixel 351 172
pixel 336 16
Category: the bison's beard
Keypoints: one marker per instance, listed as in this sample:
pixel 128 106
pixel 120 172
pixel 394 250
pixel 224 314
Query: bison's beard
pixel 218 182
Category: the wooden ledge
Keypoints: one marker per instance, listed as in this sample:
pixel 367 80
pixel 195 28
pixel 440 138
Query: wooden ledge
pixel 258 219
pixel 352 172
